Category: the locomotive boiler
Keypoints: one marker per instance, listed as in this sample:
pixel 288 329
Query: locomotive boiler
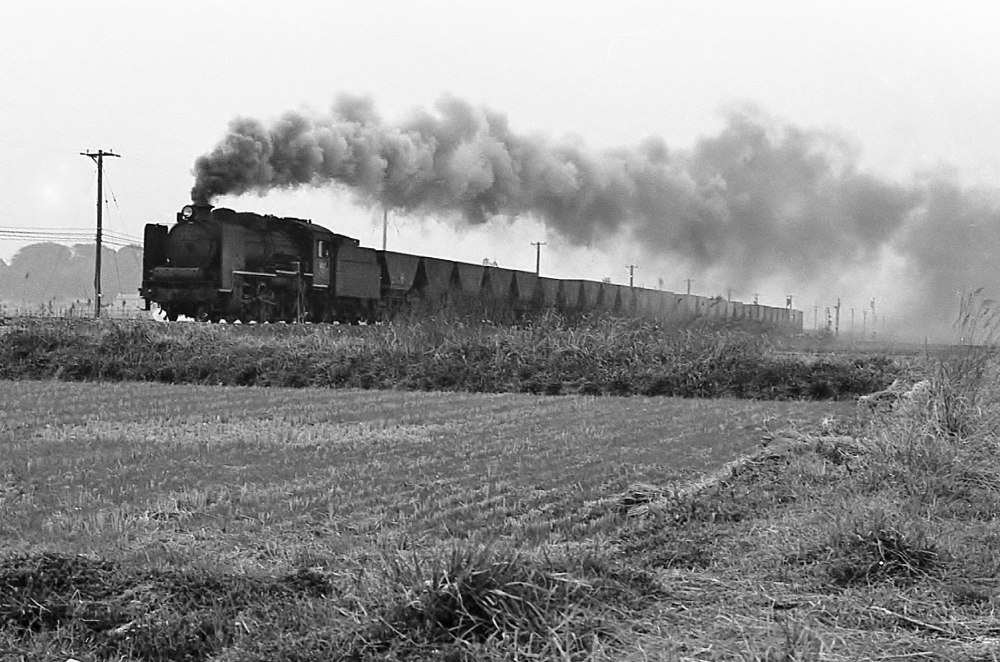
pixel 216 263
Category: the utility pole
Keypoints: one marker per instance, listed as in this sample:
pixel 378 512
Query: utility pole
pixel 538 256
pixel 836 327
pixel 689 281
pixel 98 158
pixel 874 320
pixel 385 226
pixel 631 274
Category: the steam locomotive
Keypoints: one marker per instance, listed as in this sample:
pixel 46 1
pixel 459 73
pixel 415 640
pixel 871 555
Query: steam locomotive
pixel 217 264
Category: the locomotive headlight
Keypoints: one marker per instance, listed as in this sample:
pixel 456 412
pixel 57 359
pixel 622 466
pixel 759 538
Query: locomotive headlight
pixel 187 212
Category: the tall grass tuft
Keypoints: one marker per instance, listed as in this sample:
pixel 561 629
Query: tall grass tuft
pixel 477 594
pixel 876 545
pixel 499 604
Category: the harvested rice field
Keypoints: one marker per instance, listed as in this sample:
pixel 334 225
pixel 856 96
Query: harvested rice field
pixel 143 521
pixel 147 468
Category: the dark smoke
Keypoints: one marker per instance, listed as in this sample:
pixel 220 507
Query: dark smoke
pixel 760 199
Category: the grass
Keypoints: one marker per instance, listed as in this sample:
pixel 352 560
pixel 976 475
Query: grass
pixel 599 356
pixel 245 523
pixel 129 460
pixel 148 522
pixel 881 545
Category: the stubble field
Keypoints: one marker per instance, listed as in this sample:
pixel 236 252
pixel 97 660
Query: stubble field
pixel 150 521
pixel 147 468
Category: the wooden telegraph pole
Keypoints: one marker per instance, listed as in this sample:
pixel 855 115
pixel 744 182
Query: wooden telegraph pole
pixel 98 158
pixel 538 256
pixel 385 226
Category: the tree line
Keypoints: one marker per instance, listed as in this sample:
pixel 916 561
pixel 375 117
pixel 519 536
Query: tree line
pixel 47 272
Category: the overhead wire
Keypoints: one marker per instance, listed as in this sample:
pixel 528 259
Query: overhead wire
pixel 67 234
pixel 75 235
pixel 55 235
pixel 118 275
pixel 121 219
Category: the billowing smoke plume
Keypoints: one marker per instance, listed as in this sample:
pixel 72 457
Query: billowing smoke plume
pixel 760 199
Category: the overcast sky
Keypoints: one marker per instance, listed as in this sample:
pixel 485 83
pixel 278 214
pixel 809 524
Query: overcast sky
pixel 914 85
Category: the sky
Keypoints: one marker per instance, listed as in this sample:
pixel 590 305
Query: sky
pixel 906 94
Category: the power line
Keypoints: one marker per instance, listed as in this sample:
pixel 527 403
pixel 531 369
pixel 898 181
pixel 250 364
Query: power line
pixel 121 220
pixel 58 235
pixel 65 231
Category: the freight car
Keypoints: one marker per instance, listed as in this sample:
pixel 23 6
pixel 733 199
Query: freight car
pixel 216 264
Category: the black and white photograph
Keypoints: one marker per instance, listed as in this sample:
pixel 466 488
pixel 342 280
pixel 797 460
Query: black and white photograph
pixel 499 330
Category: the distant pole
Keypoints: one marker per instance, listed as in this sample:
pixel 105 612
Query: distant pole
pixel 538 256
pixel 631 274
pixel 98 158
pixel 688 281
pixel 729 294
pixel 385 226
pixel 816 317
pixel 874 320
pixel 836 327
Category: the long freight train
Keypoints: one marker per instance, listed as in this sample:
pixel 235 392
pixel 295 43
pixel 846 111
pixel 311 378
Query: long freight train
pixel 216 264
